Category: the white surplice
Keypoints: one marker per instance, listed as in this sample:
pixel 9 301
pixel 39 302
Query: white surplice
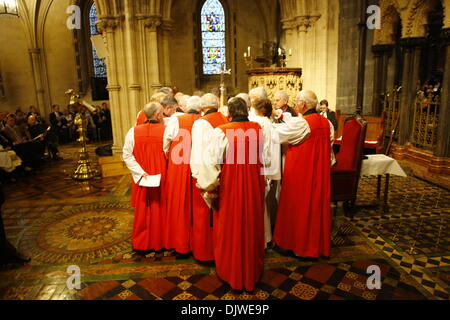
pixel 128 157
pixel 297 131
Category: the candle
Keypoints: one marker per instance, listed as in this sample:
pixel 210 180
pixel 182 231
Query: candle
pixel 290 52
pixel 249 51
pixel 245 54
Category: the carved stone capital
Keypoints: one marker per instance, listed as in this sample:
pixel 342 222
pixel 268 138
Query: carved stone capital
pixel 167 25
pixel 412 43
pixel 382 49
pixel 108 24
pixel 289 24
pixel 152 23
pixel 304 23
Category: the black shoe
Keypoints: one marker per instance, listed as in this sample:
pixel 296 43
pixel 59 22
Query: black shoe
pixel 183 256
pixel 18 259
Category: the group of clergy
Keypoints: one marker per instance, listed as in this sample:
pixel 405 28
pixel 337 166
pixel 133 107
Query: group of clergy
pixel 201 175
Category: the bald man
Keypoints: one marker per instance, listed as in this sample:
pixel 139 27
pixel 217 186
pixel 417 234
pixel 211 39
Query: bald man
pixel 303 222
pixel 144 156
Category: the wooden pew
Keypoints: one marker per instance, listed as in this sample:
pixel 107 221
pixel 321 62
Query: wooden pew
pixel 375 131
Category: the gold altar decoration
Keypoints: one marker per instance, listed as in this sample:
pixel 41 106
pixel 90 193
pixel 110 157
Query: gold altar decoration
pixel 274 79
pixel 84 170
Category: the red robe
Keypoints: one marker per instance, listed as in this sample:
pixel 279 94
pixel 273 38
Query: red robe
pixel 179 187
pixel 303 222
pixel 239 224
pixel 202 244
pixel 141 119
pixel 150 208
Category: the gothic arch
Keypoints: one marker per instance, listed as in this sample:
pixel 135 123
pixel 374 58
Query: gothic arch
pixel 390 17
pixel 417 17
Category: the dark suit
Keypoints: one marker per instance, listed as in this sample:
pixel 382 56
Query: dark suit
pixel 291 111
pixel 332 118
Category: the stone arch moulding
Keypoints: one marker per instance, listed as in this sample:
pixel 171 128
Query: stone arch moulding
pixel 417 17
pixel 390 15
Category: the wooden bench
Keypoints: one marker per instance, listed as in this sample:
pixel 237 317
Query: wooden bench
pixel 375 131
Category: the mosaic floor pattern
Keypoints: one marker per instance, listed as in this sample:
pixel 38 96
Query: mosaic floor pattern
pixel 60 223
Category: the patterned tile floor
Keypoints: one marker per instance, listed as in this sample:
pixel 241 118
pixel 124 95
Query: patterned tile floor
pixel 61 223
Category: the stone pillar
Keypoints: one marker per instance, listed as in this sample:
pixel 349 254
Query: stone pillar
pixel 443 141
pixel 36 64
pixel 151 29
pixel 166 28
pixel 382 54
pixel 109 27
pixel 410 81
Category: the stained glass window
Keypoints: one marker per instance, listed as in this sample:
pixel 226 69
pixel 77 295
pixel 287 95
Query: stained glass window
pixel 213 36
pixel 99 64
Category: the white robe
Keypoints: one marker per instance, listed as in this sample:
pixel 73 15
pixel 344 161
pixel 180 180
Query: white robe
pixel 128 157
pixel 202 131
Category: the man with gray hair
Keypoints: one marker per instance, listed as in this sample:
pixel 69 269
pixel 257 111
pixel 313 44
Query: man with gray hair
pixel 144 156
pixel 177 145
pixel 281 100
pixel 246 98
pixel 303 222
pixel 255 94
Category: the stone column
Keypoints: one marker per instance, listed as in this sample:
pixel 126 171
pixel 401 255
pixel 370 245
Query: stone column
pixel 166 28
pixel 36 64
pixel 109 27
pixel 410 81
pixel 443 141
pixel 151 29
pixel 382 54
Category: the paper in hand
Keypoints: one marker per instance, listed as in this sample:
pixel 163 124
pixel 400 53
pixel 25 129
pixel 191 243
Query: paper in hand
pixel 150 181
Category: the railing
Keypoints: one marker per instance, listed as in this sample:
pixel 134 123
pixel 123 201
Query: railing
pixel 426 119
pixel 391 109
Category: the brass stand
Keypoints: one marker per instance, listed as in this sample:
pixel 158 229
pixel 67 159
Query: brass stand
pixel 84 170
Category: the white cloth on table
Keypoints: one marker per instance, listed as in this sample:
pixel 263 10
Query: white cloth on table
pixel 379 164
pixel 9 160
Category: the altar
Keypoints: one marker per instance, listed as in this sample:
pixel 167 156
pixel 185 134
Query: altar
pixel 274 79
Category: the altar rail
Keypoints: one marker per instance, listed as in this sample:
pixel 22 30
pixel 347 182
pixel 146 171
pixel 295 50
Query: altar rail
pixel 426 120
pixel 391 107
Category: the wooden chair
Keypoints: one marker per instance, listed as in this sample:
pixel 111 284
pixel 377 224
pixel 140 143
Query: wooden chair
pixel 375 133
pixel 374 136
pixel 345 175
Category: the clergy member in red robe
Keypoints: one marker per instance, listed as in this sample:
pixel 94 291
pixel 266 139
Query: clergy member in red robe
pixel 303 222
pixel 202 215
pixel 143 154
pixel 239 243
pixel 177 146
